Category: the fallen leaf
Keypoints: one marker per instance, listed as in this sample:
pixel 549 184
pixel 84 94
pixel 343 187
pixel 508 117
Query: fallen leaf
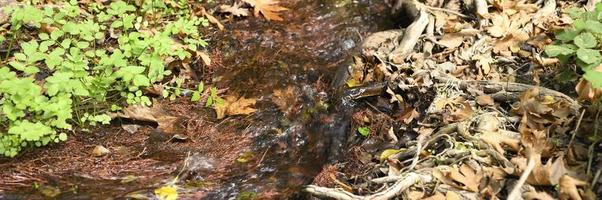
pixel 452 40
pixel 166 122
pixel 167 193
pixel 569 188
pixel 268 8
pixel 130 128
pixel 388 152
pixel 235 106
pixel 496 139
pixel 408 115
pixel 284 98
pixel 437 196
pixel 587 92
pixel 534 195
pixel 462 113
pixel 234 10
pixel 212 19
pixel 485 100
pixel 451 195
pixel 204 57
pixel 464 177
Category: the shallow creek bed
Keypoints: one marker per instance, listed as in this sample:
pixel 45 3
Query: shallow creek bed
pixel 394 99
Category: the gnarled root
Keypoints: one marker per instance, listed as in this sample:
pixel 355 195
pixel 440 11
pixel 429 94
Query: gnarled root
pixel 403 183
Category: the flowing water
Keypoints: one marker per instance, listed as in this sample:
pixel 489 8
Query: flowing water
pixel 301 54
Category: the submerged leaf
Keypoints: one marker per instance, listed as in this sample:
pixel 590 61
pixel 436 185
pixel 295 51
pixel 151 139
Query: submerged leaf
pixel 167 193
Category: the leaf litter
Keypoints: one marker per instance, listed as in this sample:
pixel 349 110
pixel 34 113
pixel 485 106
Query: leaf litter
pixel 497 130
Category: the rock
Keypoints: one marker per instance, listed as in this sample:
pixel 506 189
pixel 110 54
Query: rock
pixel 196 166
pixel 99 151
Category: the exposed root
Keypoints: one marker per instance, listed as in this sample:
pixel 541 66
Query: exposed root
pixel 411 36
pixel 509 91
pixel 402 183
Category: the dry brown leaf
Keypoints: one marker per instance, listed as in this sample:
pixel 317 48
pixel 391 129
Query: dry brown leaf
pixel 548 174
pixel 268 8
pixel 437 196
pixel 204 57
pixel 451 195
pixel 285 98
pixel 569 188
pixel 212 19
pixel 587 92
pixel 534 195
pixel 414 194
pixel 235 106
pixel 452 40
pixel 463 178
pixel 500 25
pixel 485 100
pixel 166 123
pixel 496 139
pixel 234 10
pixel 409 115
pixel 462 113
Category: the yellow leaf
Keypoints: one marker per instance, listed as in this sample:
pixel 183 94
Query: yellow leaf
pixel 389 152
pixel 167 193
pixel 235 106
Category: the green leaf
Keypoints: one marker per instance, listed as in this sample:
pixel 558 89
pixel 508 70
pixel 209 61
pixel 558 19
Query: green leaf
pixel 364 131
pixel 62 137
pixel 567 35
pixel 595 77
pixel 44 36
pixel 55 35
pixel 593 26
pixel 589 56
pixel 196 96
pixel 201 87
pixel 82 45
pixel 141 80
pixel 586 40
pixel 555 50
pixel 575 12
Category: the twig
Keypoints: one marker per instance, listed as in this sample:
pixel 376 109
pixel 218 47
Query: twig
pixel 430 8
pixel 576 129
pixel 514 195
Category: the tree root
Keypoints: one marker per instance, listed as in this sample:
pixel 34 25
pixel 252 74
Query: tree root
pixel 500 91
pixel 412 33
pixel 401 184
pixel 509 91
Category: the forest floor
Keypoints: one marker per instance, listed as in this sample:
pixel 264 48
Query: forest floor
pixel 331 99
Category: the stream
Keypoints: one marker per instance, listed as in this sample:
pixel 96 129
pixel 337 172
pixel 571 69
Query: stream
pixel 301 54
